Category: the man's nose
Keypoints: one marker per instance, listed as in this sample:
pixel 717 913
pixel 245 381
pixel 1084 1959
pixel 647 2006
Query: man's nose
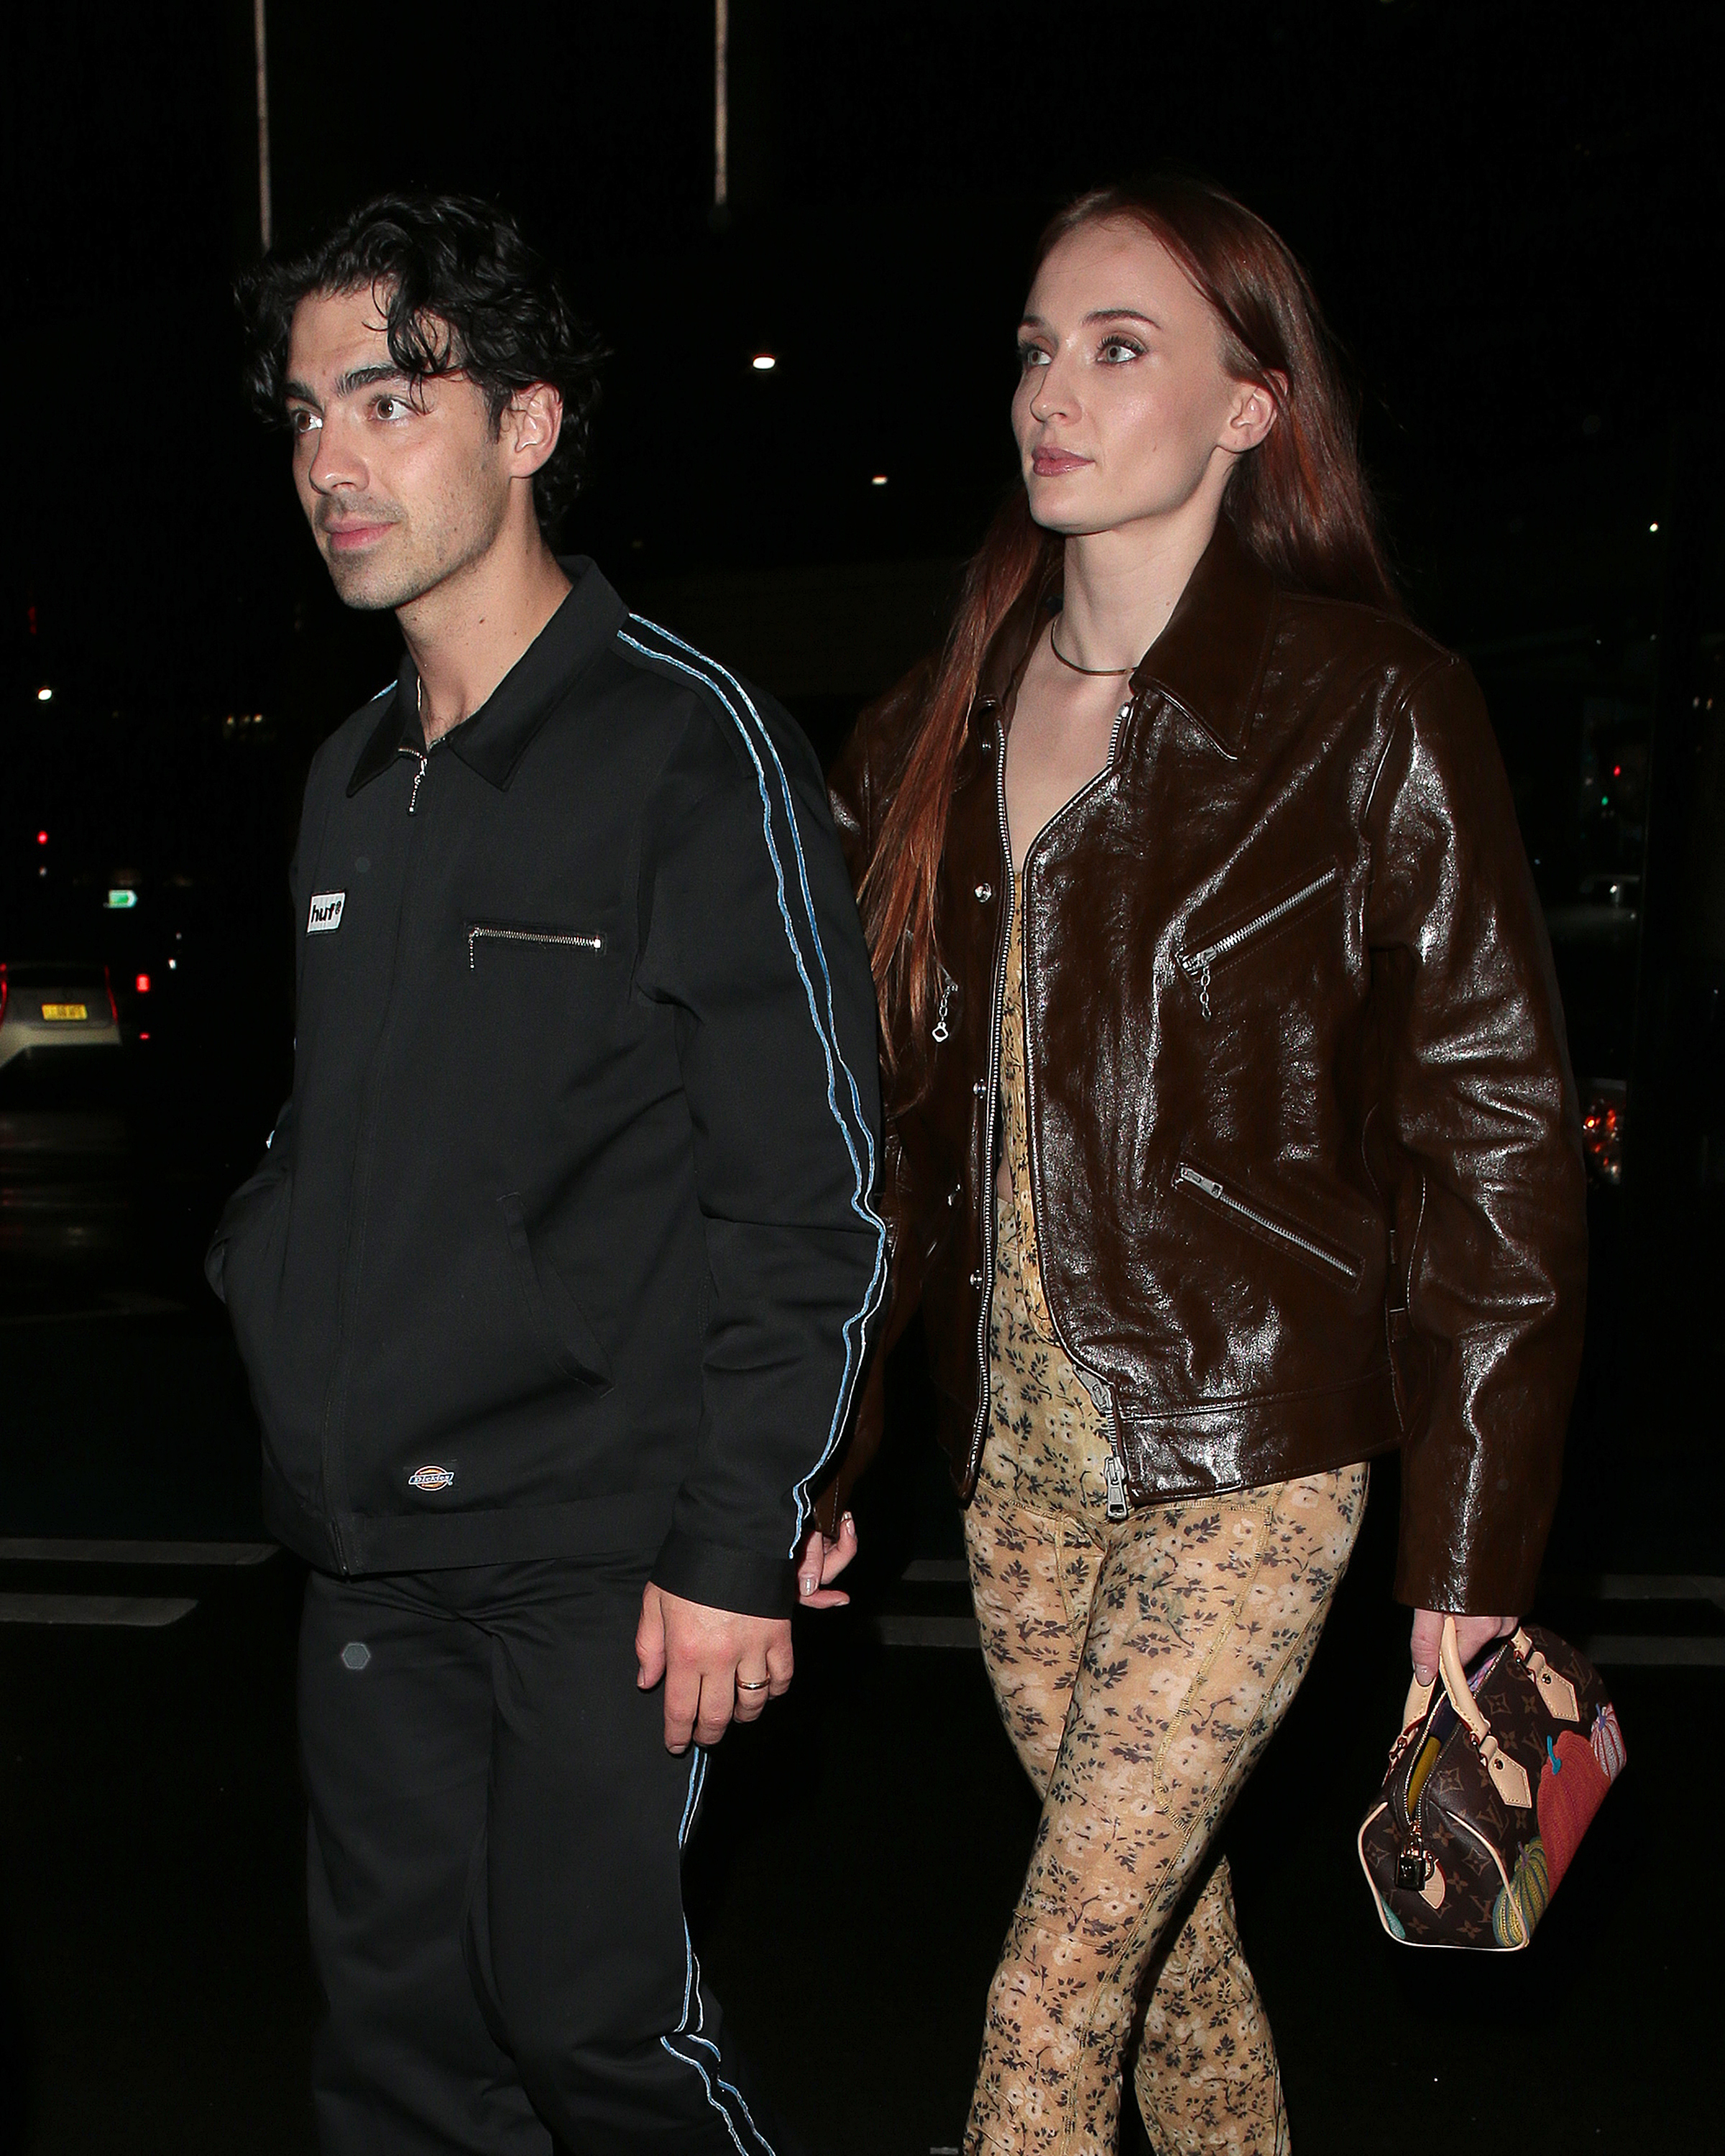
pixel 336 464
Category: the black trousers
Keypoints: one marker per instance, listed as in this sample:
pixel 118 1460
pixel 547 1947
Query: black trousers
pixel 494 1875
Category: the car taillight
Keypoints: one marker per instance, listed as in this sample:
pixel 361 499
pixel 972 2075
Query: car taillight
pixel 143 984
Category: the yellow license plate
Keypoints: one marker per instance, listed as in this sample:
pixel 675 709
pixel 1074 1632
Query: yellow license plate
pixel 65 1010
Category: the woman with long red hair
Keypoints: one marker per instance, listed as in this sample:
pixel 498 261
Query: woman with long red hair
pixel 1231 1136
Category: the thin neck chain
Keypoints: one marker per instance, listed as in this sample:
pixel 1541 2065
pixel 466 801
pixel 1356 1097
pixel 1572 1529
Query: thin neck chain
pixel 1095 673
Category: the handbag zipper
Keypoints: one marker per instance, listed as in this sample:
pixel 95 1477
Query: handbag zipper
pixel 1197 964
pixel 1221 1196
pixel 479 931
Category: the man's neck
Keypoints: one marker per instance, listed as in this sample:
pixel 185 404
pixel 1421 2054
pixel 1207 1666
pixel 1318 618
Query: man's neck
pixel 467 633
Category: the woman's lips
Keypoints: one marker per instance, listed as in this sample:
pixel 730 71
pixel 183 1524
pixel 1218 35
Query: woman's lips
pixel 1055 463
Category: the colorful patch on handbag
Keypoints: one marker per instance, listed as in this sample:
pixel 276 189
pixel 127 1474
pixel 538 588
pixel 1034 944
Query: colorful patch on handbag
pixel 1572 1788
pixel 1521 1904
pixel 1606 1737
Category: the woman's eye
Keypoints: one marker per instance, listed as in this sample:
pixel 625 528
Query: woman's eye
pixel 1029 356
pixel 1118 351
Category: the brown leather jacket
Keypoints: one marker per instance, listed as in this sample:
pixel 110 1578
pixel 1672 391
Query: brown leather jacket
pixel 1304 1148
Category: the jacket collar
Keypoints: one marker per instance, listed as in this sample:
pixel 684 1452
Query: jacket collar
pixel 494 739
pixel 1210 660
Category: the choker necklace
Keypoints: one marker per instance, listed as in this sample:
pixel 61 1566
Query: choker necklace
pixel 1095 672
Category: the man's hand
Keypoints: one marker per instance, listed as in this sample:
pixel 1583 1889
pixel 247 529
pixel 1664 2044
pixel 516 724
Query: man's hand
pixel 822 1561
pixel 1471 1634
pixel 716 1666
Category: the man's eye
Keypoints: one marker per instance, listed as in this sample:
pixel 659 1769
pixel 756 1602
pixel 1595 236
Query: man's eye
pixel 302 423
pixel 1031 355
pixel 392 407
pixel 1118 351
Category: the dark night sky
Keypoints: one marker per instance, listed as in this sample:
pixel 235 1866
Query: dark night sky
pixel 1509 211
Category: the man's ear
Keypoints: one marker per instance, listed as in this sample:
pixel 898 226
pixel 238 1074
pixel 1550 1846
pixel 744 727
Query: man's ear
pixel 1254 413
pixel 532 421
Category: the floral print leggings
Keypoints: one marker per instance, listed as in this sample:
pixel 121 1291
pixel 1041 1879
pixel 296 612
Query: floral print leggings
pixel 1141 1667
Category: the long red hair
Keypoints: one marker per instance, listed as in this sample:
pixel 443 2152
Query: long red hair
pixel 1299 501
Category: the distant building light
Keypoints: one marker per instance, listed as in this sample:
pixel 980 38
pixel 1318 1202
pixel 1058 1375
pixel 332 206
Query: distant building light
pixel 119 900
pixel 42 838
pixel 1605 801
pixel 879 480
pixel 143 1036
pixel 173 965
pixel 1653 527
pixel 763 363
pixel 44 695
pixel 143 984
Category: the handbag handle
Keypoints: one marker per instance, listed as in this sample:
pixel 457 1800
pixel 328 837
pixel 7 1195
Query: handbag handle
pixel 1509 1778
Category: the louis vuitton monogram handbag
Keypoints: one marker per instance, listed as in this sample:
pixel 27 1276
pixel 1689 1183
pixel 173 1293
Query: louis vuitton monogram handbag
pixel 1494 1779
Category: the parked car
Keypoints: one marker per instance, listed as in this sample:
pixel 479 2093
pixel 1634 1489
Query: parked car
pixel 59 1031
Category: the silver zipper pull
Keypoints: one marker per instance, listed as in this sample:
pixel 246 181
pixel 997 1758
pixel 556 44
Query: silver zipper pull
pixel 1208 1184
pixel 941 1031
pixel 419 781
pixel 1204 986
pixel 1114 1476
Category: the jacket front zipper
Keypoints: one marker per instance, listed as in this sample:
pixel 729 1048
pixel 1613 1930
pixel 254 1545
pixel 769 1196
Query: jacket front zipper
pixel 478 932
pixel 1197 964
pixel 335 1406
pixel 1114 1473
pixel 1220 1194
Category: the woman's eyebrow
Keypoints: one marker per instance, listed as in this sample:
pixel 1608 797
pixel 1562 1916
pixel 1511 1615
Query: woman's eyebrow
pixel 1099 315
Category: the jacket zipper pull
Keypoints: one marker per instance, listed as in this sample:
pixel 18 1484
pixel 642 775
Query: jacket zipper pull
pixel 1114 1476
pixel 941 1031
pixel 1204 986
pixel 419 781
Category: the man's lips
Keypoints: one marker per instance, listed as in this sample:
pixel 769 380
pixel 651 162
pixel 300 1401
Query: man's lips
pixel 346 538
pixel 1054 464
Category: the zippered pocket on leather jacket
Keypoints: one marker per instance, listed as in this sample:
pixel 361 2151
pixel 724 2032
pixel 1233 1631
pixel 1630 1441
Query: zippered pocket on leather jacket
pixel 1196 965
pixel 499 932
pixel 1296 1241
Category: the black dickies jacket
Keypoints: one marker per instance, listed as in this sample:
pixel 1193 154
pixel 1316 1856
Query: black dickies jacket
pixel 566 1241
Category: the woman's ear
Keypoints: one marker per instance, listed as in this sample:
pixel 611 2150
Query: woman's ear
pixel 1253 412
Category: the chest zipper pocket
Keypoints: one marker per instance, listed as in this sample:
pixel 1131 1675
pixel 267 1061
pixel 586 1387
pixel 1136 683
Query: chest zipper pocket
pixel 1185 1176
pixel 1197 964
pixel 491 931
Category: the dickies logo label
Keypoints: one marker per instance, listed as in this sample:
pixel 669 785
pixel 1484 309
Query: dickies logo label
pixel 325 914
pixel 432 1477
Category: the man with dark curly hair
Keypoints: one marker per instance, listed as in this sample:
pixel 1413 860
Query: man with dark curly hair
pixel 554 1282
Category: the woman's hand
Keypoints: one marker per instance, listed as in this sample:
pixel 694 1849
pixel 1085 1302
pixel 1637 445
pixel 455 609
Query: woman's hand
pixel 1471 1634
pixel 822 1561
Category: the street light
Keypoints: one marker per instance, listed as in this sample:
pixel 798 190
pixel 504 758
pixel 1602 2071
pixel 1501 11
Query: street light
pixel 44 695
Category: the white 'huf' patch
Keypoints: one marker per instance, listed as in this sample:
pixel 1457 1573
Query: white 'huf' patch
pixel 325 913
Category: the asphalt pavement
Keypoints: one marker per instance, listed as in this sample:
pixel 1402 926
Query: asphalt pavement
pixel 862 1847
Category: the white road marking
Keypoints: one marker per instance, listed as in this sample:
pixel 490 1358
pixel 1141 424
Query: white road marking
pixel 151 1611
pixel 50 1549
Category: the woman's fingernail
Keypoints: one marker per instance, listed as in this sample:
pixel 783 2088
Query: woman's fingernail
pixel 806 1586
pixel 849 1520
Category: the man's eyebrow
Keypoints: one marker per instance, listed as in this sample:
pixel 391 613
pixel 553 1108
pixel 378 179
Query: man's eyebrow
pixel 345 385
